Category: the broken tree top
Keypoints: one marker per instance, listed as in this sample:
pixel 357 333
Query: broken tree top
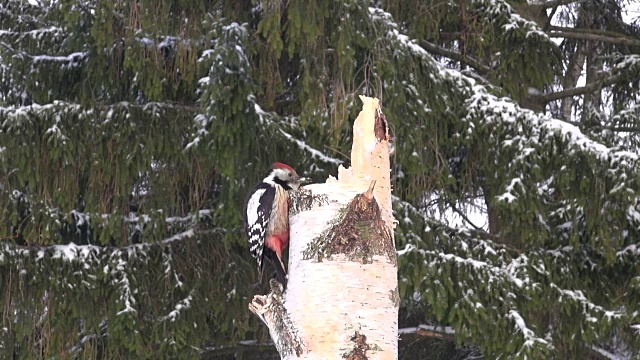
pixel 370 157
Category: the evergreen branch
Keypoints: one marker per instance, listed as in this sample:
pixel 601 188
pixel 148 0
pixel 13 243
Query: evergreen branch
pixel 631 129
pixel 73 252
pixel 337 151
pixel 72 59
pixel 178 308
pixel 481 68
pixel 502 271
pixel 572 34
pixel 267 117
pixel 479 238
pixel 32 33
pixel 631 251
pixel 485 109
pixel 578 297
pixel 314 152
pixel 528 334
pixel 610 128
pixel 449 333
pixel 88 110
pixel 619 354
pixel 73 274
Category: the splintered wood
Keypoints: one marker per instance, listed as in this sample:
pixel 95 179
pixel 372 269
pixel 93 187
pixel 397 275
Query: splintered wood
pixel 370 157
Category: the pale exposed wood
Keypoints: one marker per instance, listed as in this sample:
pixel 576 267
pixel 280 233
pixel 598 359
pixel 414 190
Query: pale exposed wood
pixel 369 160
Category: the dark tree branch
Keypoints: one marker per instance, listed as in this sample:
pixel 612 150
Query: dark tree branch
pixel 589 88
pixel 608 33
pixel 631 129
pixel 549 18
pixel 571 34
pixel 555 3
pixel 438 332
pixel 433 48
pixel 610 128
pixel 464 217
pixel 250 349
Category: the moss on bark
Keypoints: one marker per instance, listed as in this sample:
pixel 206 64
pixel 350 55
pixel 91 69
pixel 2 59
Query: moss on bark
pixel 359 232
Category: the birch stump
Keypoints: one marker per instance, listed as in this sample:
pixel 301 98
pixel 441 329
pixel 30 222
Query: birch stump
pixel 342 296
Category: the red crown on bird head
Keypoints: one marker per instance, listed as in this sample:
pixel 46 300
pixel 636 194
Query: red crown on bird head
pixel 279 165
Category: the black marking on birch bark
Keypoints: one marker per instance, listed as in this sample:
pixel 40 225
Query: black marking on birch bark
pixel 303 200
pixel 359 351
pixel 380 126
pixel 359 233
pixel 394 296
pixel 271 310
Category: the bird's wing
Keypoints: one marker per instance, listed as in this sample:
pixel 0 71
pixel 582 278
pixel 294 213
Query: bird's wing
pixel 257 213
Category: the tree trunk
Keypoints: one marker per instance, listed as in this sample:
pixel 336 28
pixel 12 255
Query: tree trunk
pixel 574 70
pixel 342 297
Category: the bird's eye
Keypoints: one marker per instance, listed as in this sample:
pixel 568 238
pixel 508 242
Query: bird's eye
pixel 289 173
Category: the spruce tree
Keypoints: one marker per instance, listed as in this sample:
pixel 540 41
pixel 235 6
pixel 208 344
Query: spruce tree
pixel 130 133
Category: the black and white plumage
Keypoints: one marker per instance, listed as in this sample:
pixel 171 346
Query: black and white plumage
pixel 266 217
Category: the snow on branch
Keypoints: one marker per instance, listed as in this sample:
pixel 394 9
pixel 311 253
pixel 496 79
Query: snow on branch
pixel 619 354
pixel 629 252
pixel 36 34
pixel 505 272
pixel 85 253
pixel 15 113
pixel 578 297
pixel 315 154
pixel 76 224
pixel 467 240
pixel 67 61
pixel 113 266
pixel 179 307
pixel 492 110
pixel 529 335
pixel 429 331
pixel 503 111
pixel 497 9
pixel 480 263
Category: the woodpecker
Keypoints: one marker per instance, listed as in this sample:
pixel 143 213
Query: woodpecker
pixel 266 217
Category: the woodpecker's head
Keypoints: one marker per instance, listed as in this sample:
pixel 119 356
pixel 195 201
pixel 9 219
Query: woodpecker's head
pixel 284 175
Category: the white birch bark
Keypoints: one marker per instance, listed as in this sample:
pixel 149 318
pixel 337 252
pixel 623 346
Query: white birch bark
pixel 331 303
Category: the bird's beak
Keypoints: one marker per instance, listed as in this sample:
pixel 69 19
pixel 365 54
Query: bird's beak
pixel 299 180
